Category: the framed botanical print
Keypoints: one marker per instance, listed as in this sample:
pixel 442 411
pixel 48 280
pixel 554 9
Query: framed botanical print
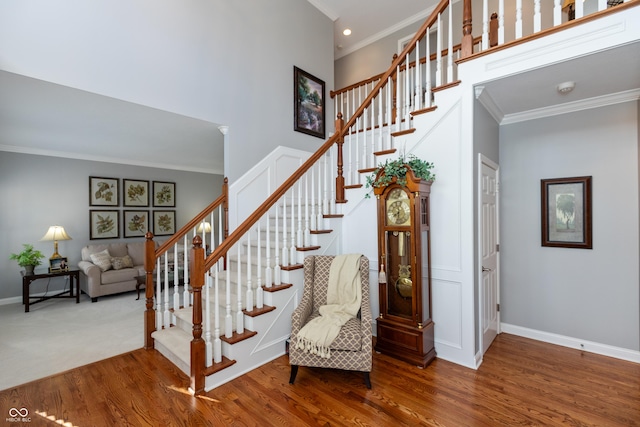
pixel 566 212
pixel 164 194
pixel 135 193
pixel 104 224
pixel 103 191
pixel 136 223
pixel 164 223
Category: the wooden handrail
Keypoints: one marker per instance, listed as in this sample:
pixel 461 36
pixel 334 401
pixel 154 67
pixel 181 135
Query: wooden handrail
pixel 403 67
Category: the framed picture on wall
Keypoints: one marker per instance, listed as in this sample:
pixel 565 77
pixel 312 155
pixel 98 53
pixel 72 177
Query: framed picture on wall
pixel 103 191
pixel 566 212
pixel 104 224
pixel 136 223
pixel 135 193
pixel 164 223
pixel 308 103
pixel 164 194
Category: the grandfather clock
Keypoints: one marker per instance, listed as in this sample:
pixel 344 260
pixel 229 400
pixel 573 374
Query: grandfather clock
pixel 405 327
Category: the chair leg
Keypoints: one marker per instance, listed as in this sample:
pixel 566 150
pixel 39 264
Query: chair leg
pixel 367 380
pixel 294 372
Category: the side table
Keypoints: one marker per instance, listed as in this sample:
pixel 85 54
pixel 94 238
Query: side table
pixel 74 278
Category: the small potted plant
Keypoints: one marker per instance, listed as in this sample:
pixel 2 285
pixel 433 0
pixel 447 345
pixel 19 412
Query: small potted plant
pixel 28 258
pixel 396 171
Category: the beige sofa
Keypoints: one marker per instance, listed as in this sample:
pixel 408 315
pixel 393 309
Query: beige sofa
pixel 118 277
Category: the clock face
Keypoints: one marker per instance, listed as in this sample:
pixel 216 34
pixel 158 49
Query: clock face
pixel 398 209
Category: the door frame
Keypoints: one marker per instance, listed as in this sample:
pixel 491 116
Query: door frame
pixel 482 159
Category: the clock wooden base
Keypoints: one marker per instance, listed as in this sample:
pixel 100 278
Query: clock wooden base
pixel 408 343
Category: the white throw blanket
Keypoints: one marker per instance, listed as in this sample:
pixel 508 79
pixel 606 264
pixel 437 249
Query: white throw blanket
pixel 344 296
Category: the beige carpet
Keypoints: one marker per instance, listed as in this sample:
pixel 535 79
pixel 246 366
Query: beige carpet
pixel 58 334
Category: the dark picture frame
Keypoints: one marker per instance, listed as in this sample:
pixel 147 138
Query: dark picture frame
pixel 308 103
pixel 104 224
pixel 136 223
pixel 164 194
pixel 103 191
pixel 566 212
pixel 164 223
pixel 135 193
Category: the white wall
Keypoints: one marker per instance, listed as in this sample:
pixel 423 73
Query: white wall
pixel 223 62
pixel 40 191
pixel 584 294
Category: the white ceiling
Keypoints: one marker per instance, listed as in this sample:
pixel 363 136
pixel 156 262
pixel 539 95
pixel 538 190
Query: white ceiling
pixel 369 20
pixel 40 117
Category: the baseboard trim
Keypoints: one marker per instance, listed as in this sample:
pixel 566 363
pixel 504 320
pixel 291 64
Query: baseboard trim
pixel 11 300
pixel 576 343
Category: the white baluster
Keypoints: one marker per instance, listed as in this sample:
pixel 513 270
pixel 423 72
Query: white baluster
pixel 207 322
pixel 418 103
pixel 518 19
pixel 450 47
pixel 579 5
pixel 268 272
pixel 407 93
pixel 228 323
pixel 380 118
pixel 285 249
pixel 485 25
pixel 292 247
pixel 602 5
pixel 306 231
pixel 276 269
pixel 249 300
pixel 557 12
pixel 217 343
pixel 537 17
pixel 427 95
pixel 319 224
pixel 354 170
pixel 259 290
pixel 167 312
pixel 500 22
pixel 399 102
pixel 176 280
pixel 333 167
pixel 159 323
pixel 186 295
pixel 300 231
pixel 389 112
pixel 239 314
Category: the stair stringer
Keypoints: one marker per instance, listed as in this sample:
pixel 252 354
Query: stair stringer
pixel 273 330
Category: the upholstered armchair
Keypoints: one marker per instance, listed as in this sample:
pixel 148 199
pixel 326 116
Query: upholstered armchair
pixel 352 348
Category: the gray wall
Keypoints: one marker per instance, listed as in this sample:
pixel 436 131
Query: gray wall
pixel 40 191
pixel 226 62
pixel 586 294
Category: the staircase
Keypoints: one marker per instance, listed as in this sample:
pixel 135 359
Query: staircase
pixel 233 313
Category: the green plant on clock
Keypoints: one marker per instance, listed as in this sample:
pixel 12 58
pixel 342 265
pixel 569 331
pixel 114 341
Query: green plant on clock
pixel 397 169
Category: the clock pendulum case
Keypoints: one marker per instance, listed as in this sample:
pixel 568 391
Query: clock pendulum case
pixel 405 326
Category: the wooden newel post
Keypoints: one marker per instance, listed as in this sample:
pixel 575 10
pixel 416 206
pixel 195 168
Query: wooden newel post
pixel 197 344
pixel 467 38
pixel 150 313
pixel 340 178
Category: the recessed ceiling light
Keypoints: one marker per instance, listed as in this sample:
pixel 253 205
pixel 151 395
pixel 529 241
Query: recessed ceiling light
pixel 566 87
pixel 347 32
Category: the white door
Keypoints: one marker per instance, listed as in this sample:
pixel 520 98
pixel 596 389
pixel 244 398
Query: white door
pixel 489 255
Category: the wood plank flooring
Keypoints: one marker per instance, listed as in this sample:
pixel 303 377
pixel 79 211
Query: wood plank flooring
pixel 521 382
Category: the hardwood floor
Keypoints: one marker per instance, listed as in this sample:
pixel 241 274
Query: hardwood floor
pixel 521 382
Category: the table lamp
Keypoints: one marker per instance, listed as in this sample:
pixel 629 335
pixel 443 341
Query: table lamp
pixel 55 233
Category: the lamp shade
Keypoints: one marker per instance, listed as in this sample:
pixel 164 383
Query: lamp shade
pixel 204 226
pixel 54 233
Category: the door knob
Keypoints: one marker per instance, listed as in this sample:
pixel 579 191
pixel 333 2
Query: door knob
pixel 485 269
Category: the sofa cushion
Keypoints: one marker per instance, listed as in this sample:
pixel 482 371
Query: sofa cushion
pixel 115 249
pixel 102 259
pixel 136 252
pixel 115 276
pixel 118 263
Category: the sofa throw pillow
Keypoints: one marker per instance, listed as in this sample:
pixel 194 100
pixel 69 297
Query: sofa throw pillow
pixel 102 259
pixel 118 263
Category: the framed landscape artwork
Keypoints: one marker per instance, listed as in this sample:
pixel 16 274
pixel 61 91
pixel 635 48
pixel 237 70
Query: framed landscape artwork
pixel 566 212
pixel 308 103
pixel 136 223
pixel 135 193
pixel 103 191
pixel 164 194
pixel 104 224
pixel 164 223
